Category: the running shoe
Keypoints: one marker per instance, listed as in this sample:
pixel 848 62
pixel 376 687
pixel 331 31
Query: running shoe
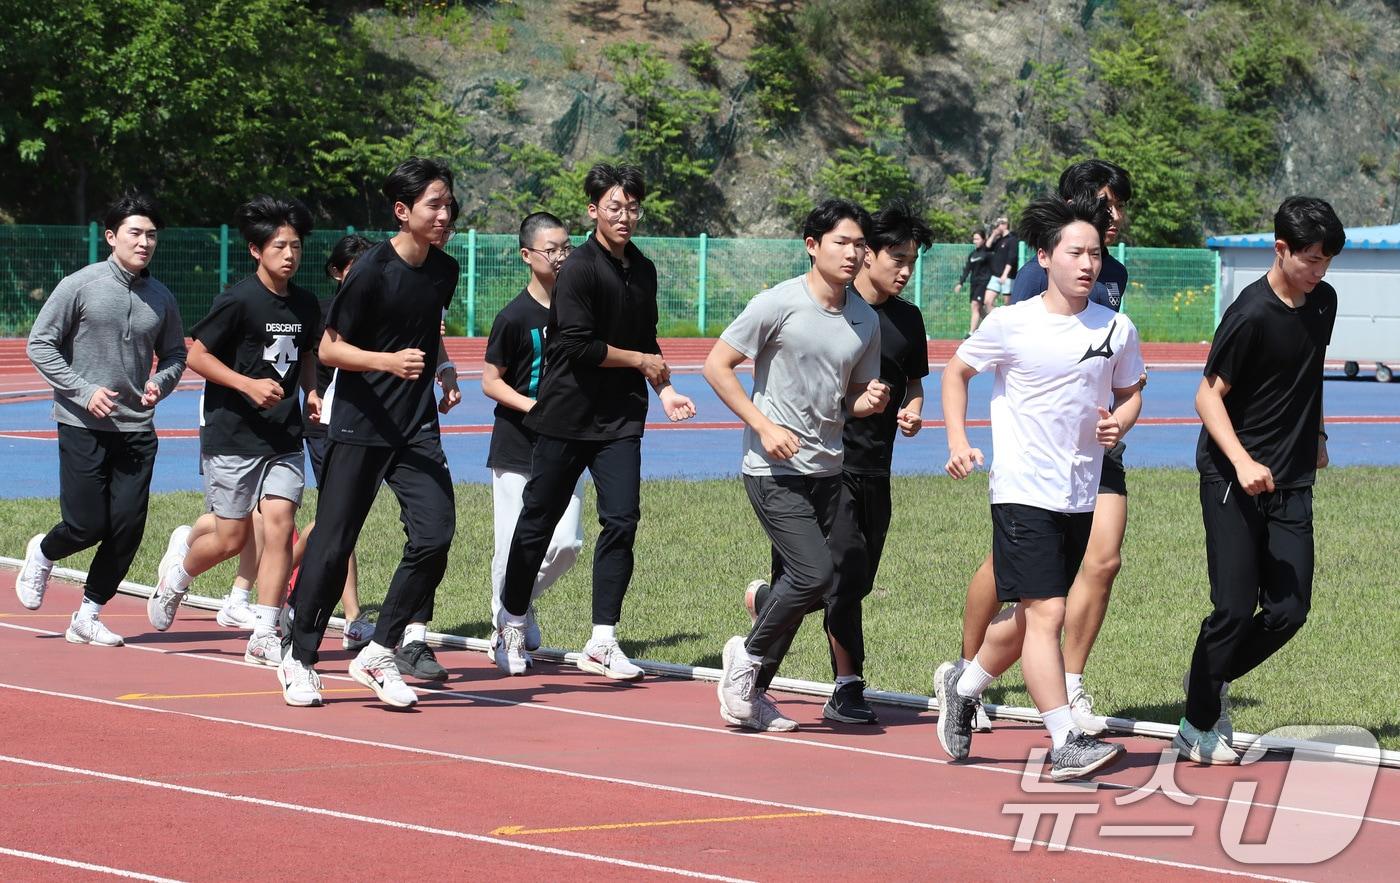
pixel 417 660
pixel 33 578
pixel 767 718
pixel 236 615
pixel 91 630
pixel 264 649
pixel 606 658
pixel 955 715
pixel 377 670
pixel 1081 755
pixel 533 637
pixel 738 682
pixel 301 685
pixel 358 632
pixel 847 705
pixel 509 650
pixel 1203 746
pixel 1081 710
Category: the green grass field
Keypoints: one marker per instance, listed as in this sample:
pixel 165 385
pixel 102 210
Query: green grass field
pixel 699 545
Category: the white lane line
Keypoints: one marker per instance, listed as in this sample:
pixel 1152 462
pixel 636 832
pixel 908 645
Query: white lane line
pixel 634 783
pixel 357 817
pixel 85 866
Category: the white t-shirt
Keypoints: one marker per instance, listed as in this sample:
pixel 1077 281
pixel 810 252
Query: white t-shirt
pixel 805 359
pixel 1052 374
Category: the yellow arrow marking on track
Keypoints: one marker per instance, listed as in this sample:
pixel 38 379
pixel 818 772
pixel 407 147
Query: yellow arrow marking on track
pixel 131 697
pixel 520 830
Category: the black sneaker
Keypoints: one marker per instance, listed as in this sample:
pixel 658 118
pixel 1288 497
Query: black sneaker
pixel 1081 755
pixel 847 705
pixel 417 660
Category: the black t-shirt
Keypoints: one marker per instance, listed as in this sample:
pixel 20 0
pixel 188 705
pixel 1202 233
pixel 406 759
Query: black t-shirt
pixel 869 441
pixel 1271 355
pixel 1004 254
pixel 516 346
pixel 979 267
pixel 597 303
pixel 260 335
pixel 324 374
pixel 385 306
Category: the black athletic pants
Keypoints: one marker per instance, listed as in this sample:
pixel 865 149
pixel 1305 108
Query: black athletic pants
pixel 798 512
pixel 616 467
pixel 104 484
pixel 417 474
pixel 857 542
pixel 1259 551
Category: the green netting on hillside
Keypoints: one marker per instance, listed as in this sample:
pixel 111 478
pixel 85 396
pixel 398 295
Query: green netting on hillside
pixel 703 283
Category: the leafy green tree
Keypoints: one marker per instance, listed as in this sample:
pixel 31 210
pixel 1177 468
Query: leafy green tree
pixel 872 173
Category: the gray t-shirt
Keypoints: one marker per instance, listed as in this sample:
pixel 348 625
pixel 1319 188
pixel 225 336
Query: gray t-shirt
pixel 806 358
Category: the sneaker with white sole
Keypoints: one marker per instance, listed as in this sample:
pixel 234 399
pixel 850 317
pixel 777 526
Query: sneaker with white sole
pixel 90 630
pixel 1081 755
pixel 606 658
pixel 847 705
pixel 358 632
pixel 981 721
pixel 236 615
pixel 738 682
pixel 955 715
pixel 33 578
pixel 264 649
pixel 1081 710
pixel 753 597
pixel 1203 746
pixel 767 717
pixel 165 601
pixel 379 672
pixel 301 685
pixel 1223 725
pixel 533 636
pixel 510 650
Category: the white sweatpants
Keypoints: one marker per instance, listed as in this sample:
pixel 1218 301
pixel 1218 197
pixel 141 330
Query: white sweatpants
pixel 508 493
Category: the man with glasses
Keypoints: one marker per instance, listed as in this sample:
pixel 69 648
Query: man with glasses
pixel 590 414
pixel 511 376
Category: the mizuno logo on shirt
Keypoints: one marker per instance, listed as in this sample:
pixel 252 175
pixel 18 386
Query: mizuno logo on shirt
pixel 1103 350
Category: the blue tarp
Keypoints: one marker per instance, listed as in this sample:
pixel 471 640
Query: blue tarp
pixel 1357 237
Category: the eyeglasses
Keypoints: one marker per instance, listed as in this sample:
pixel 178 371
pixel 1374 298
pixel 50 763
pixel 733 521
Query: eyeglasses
pixel 617 211
pixel 554 255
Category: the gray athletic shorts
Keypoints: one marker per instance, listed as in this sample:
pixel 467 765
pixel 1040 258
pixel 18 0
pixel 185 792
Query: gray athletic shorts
pixel 234 483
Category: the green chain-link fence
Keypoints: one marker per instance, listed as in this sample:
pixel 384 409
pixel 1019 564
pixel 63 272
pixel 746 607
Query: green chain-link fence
pixel 704 282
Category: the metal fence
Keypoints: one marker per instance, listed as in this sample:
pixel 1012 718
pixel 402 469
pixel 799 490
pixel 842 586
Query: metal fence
pixel 704 282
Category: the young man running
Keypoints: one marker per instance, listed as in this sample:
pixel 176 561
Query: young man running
pixel 383 325
pixel 1059 360
pixel 815 345
pixel 1087 603
pixel 1261 444
pixel 93 342
pixel 590 414
pixel 511 377
pixel 254 350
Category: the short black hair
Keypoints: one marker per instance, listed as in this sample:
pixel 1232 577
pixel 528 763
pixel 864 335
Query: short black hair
pixel 1093 175
pixel 347 248
pixel 128 204
pixel 410 179
pixel 895 224
pixel 534 223
pixel 1302 221
pixel 604 177
pixel 1045 220
pixel 824 218
pixel 259 218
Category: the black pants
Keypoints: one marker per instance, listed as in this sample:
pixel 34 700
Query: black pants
pixel 1259 552
pixel 104 481
pixel 418 475
pixel 616 467
pixel 798 513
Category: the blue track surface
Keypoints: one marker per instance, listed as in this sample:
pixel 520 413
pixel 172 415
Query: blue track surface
pixel 29 467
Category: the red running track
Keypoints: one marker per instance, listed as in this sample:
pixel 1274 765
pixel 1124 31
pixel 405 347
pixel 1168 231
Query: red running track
pixel 174 759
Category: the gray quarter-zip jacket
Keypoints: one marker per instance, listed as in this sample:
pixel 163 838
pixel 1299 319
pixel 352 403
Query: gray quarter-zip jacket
pixel 100 328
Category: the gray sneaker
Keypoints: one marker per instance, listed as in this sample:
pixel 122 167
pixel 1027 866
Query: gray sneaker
pixel 33 578
pixel 736 686
pixel 955 715
pixel 1223 725
pixel 767 717
pixel 1081 755
pixel 1206 747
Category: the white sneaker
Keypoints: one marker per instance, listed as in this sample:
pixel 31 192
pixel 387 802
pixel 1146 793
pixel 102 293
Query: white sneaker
pixel 767 717
pixel 981 722
pixel 164 601
pixel 607 659
pixel 358 633
pixel 33 578
pixel 82 630
pixel 737 683
pixel 1081 710
pixel 533 638
pixel 1223 725
pixel 236 615
pixel 509 650
pixel 1206 747
pixel 301 685
pixel 264 649
pixel 376 670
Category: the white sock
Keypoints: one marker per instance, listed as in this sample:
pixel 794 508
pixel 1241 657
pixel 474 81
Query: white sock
pixel 414 631
pixel 963 663
pixel 1059 722
pixel 266 616
pixel 89 609
pixel 604 633
pixel 1073 683
pixel 843 680
pixel 177 579
pixel 237 596
pixel 974 680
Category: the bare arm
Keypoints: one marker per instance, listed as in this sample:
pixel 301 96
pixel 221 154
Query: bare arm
pixel 1253 477
pixel 778 441
pixel 911 413
pixel 263 393
pixel 337 352
pixel 494 386
pixel 962 457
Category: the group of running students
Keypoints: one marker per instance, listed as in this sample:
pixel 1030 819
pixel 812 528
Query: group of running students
pixel 838 359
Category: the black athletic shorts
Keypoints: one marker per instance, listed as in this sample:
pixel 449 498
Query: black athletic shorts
pixel 316 448
pixel 1036 553
pixel 1114 479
